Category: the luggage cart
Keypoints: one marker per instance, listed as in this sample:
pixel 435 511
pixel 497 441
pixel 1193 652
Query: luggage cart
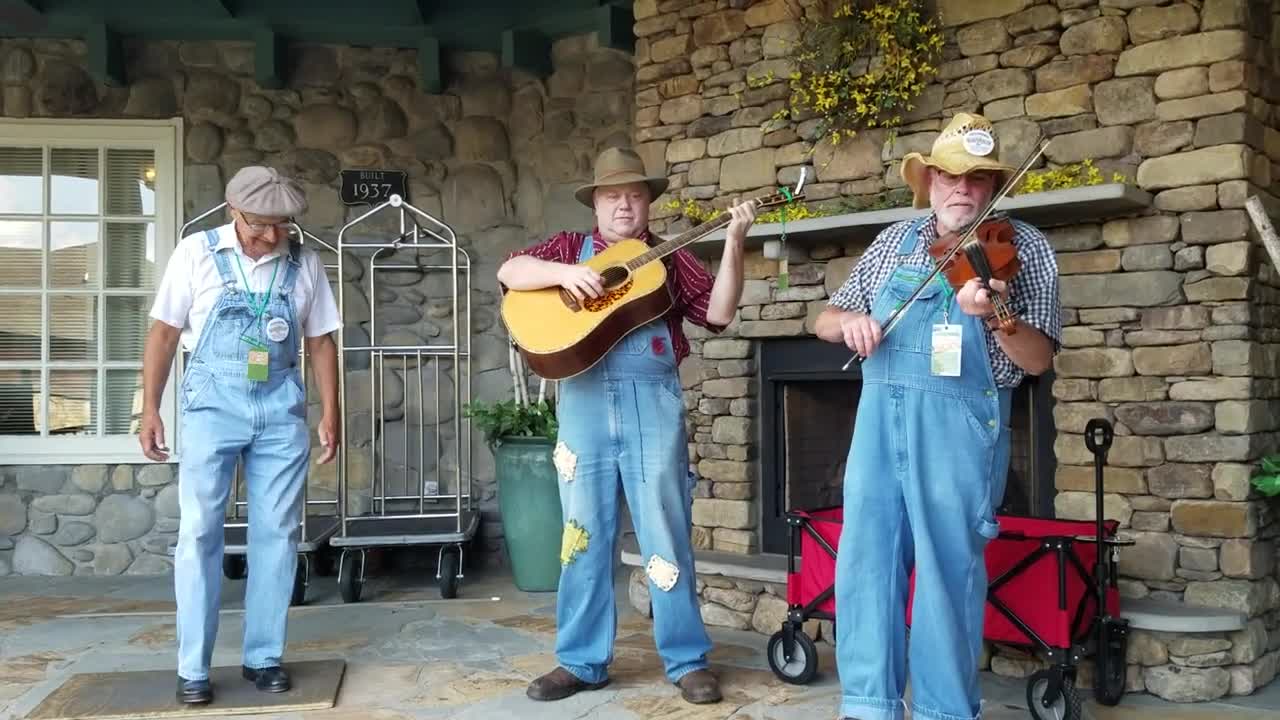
pixel 408 502
pixel 316 528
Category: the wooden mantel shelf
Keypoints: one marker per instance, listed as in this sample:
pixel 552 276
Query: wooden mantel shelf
pixel 1043 209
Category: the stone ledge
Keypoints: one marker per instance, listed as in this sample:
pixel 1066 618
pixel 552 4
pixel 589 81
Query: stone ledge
pixel 1164 616
pixel 759 567
pixel 1042 209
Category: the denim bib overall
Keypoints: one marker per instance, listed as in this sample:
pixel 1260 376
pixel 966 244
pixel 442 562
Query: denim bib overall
pixel 226 415
pixel 625 417
pixel 925 471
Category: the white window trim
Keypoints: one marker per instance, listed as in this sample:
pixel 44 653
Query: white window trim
pixel 166 138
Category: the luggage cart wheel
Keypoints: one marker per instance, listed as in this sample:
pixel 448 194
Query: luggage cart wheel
pixel 801 666
pixel 300 581
pixel 1113 642
pixel 350 577
pixel 234 567
pixel 448 574
pixel 1051 695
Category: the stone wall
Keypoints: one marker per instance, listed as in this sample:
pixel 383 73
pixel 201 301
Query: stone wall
pixel 1168 315
pixel 495 155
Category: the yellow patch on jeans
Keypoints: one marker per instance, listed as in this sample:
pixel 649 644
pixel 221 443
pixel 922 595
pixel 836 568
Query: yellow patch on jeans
pixel 573 542
pixel 565 461
pixel 663 573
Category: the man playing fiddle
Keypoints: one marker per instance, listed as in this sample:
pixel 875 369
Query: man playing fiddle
pixel 930 450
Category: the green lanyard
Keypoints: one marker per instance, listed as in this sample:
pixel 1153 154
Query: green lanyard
pixel 258 305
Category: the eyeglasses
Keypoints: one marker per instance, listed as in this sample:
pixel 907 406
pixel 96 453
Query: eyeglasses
pixel 264 227
pixel 976 178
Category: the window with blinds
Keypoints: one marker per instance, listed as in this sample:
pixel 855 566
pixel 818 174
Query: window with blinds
pixel 80 255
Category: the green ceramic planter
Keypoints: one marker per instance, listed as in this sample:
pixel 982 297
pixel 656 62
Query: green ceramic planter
pixel 532 522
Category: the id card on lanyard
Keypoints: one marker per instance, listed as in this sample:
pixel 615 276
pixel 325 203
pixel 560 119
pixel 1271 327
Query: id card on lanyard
pixel 257 361
pixel 947 342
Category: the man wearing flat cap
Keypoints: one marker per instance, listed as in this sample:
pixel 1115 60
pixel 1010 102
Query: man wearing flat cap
pixel 241 298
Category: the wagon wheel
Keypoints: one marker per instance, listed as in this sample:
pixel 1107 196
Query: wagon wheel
pixel 1051 695
pixel 448 574
pixel 801 667
pixel 350 579
pixel 235 567
pixel 1113 642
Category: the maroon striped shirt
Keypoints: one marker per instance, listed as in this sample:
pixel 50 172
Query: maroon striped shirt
pixel 689 282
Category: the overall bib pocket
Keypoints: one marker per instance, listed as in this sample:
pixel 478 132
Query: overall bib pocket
pixel 895 295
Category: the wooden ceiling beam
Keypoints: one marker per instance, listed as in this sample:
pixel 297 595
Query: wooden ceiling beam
pixel 430 64
pixel 106 54
pixel 269 61
pixel 528 50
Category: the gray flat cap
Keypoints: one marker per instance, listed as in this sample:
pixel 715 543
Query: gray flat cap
pixel 264 191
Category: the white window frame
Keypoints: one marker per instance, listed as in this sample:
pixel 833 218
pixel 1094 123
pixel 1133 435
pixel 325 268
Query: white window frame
pixel 165 138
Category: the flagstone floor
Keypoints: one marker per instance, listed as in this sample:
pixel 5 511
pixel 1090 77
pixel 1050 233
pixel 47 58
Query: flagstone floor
pixel 412 655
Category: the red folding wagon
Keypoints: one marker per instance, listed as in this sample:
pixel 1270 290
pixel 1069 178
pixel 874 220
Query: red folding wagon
pixel 1051 589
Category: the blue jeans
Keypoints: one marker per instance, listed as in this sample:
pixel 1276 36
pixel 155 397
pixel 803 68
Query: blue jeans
pixel 226 415
pixel 925 471
pixel 624 419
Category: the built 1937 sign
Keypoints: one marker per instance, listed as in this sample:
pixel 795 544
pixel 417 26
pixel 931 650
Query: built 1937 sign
pixel 372 187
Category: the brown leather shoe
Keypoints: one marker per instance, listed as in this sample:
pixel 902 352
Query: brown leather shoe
pixel 559 684
pixel 700 687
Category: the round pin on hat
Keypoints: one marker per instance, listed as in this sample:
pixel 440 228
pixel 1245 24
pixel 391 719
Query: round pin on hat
pixel 979 142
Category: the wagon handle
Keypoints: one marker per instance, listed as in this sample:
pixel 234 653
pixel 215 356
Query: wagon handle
pixel 1098 434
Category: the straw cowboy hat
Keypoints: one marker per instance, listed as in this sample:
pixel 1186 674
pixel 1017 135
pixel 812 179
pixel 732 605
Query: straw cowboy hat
pixel 967 143
pixel 619 166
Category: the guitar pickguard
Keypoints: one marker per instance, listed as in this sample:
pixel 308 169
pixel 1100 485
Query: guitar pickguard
pixel 609 298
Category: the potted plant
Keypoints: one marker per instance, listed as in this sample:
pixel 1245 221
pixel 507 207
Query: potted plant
pixel 521 433
pixel 1266 478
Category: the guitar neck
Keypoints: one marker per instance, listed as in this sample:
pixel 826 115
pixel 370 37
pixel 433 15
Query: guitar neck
pixel 679 241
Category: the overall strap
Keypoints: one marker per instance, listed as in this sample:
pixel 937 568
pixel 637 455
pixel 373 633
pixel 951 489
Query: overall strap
pixel 911 237
pixel 220 259
pixel 292 267
pixel 588 248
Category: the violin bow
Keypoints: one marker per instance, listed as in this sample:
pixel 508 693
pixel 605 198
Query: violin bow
pixel 982 217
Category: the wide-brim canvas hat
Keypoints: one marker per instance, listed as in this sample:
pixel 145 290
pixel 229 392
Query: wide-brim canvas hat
pixel 619 166
pixel 968 143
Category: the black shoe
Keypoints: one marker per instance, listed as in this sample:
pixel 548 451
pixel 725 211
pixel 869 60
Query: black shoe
pixel 194 692
pixel 272 679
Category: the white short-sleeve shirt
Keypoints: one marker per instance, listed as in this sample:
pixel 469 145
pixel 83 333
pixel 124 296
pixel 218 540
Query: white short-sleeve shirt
pixel 191 285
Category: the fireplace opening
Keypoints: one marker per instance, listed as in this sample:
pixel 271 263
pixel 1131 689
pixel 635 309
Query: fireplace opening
pixel 807 410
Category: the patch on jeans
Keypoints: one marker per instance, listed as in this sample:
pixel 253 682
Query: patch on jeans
pixel 662 573
pixel 566 462
pixel 573 542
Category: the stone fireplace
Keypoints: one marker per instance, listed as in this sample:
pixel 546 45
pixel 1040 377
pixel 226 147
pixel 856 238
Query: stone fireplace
pixel 807 407
pixel 1168 300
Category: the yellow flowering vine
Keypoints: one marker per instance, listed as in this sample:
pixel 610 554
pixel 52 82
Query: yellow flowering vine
pixel 1071 175
pixel 862 64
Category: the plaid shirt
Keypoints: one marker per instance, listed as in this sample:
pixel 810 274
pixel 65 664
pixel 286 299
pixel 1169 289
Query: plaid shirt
pixel 1033 294
pixel 687 280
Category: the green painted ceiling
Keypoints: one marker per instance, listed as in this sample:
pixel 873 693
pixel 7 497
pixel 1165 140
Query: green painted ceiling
pixel 520 30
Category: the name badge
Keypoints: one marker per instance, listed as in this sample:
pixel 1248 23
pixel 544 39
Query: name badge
pixel 258 360
pixel 946 350
pixel 277 329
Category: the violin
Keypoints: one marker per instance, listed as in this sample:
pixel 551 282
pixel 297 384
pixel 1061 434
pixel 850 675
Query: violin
pixel 990 255
pixel 985 250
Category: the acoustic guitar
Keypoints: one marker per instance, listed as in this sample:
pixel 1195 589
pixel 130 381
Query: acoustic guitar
pixel 559 338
